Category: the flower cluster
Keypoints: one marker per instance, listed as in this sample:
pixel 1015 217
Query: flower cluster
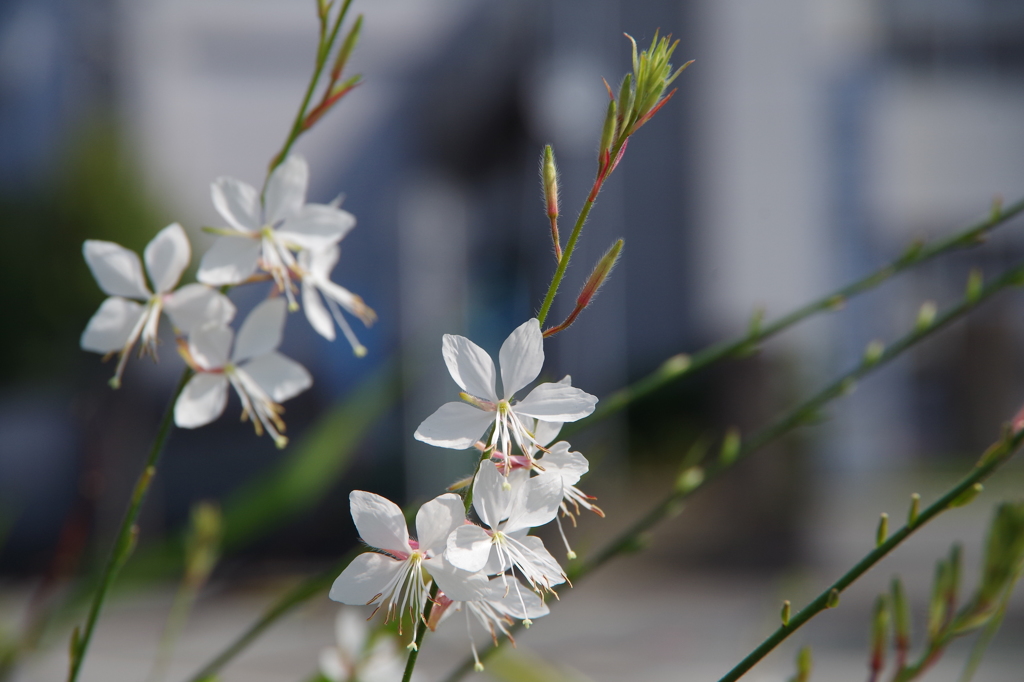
pixel 277 237
pixel 494 571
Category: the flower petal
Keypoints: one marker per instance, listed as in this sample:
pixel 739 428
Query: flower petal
pixel 364 579
pixel 379 521
pixel 492 495
pixel 468 548
pixel 210 346
pixel 545 432
pixel 316 227
pixel 569 466
pixel 457 584
pixel 280 377
pixel 331 666
pixel 117 270
pixel 286 189
pixel 541 561
pixel 470 366
pixel 556 402
pixel 536 502
pixel 202 400
pixel 167 255
pixel 261 331
pixel 320 263
pixel 315 310
pixel 351 633
pixel 511 601
pixel 110 326
pixel 238 203
pixel 454 425
pixel 229 261
pixel 436 520
pixel 521 357
pixel 196 305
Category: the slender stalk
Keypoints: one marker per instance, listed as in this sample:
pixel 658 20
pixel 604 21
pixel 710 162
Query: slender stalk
pixel 421 630
pixel 674 369
pixel 679 366
pixel 323 50
pixel 563 262
pixel 982 471
pixel 629 539
pixel 126 535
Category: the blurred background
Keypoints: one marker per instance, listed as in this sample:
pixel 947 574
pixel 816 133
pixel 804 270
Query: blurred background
pixel 810 143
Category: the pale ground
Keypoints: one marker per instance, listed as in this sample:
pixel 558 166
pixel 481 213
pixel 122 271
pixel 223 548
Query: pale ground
pixel 637 620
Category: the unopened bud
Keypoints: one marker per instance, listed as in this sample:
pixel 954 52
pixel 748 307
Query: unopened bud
pixel 883 530
pixel 203 542
pixel 879 633
pixel 677 364
pixel 915 509
pixel 873 352
pixel 786 612
pixel 345 51
pixel 1004 551
pixel 730 446
pixel 607 136
pixel 938 607
pixel 925 315
pixel 626 95
pixel 690 479
pixel 974 285
pixel 967 496
pixel 804 664
pixel 833 599
pixel 599 275
pixel 900 616
pixel 549 178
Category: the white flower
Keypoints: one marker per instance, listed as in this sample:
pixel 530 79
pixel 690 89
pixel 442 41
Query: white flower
pixel 566 467
pixel 500 601
pixel 315 270
pixel 352 659
pixel 509 507
pixel 120 322
pixel 459 425
pixel 393 576
pixel 262 377
pixel 264 232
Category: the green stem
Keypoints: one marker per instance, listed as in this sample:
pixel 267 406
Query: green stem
pixel 323 51
pixel 421 630
pixel 679 366
pixel 628 539
pixel 126 535
pixel 820 603
pixel 670 371
pixel 563 262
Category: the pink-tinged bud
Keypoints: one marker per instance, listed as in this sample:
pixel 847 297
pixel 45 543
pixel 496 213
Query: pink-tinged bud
pixel 879 635
pixel 590 289
pixel 549 176
pixel 441 604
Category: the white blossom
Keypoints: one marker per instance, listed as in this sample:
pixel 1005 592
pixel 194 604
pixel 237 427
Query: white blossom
pixel 355 657
pixel 393 576
pixel 459 425
pixel 264 232
pixel 122 320
pixel 509 507
pixel 262 377
pixel 315 272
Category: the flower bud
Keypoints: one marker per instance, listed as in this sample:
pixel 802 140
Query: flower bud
pixel 967 496
pixel 1004 551
pixel 730 446
pixel 607 136
pixel 883 530
pixel 879 634
pixel 873 352
pixel 203 543
pixel 345 51
pixel 900 617
pixel 915 509
pixel 689 480
pixel 974 285
pixel 925 316
pixel 804 663
pixel 787 610
pixel 549 178
pixel 833 599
